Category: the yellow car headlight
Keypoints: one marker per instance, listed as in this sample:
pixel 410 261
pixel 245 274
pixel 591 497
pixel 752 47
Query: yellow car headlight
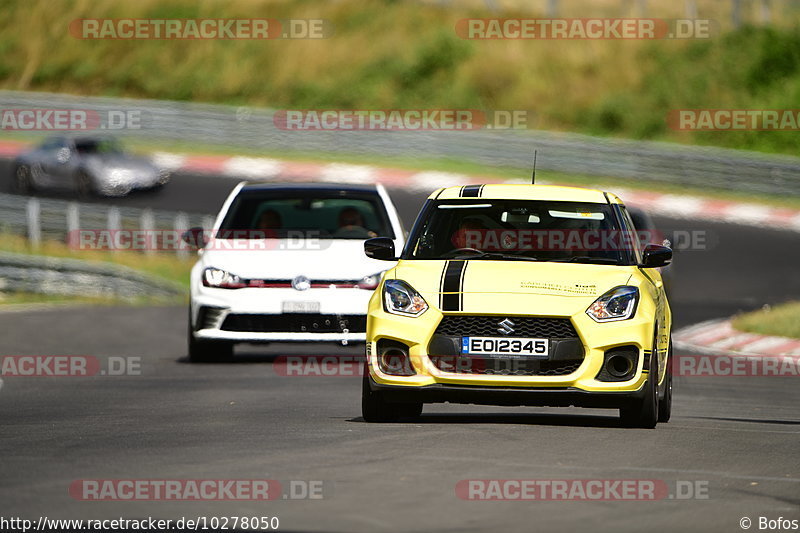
pixel 617 304
pixel 399 298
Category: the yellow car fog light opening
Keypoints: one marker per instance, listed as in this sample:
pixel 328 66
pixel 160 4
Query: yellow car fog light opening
pixel 617 304
pixel 393 358
pixel 399 298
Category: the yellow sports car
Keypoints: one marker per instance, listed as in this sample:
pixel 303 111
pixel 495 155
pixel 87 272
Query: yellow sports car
pixel 520 295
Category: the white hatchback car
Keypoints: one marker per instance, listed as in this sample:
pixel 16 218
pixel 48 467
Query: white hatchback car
pixel 285 262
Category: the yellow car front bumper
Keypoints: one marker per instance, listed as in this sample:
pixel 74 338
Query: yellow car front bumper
pixel 429 383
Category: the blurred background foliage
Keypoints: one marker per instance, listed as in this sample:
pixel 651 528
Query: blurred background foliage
pixel 406 54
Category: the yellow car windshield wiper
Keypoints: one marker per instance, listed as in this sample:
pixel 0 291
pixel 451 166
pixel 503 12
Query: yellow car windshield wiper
pixel 494 255
pixel 587 259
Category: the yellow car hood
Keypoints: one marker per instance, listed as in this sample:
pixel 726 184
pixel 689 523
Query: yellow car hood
pixel 511 287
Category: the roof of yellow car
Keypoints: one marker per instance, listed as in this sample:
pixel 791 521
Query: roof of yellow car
pixel 522 191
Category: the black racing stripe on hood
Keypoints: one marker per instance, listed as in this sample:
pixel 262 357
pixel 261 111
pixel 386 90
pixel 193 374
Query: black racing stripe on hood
pixel 451 297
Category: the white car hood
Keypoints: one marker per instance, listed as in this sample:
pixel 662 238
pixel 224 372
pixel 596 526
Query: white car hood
pixel 333 260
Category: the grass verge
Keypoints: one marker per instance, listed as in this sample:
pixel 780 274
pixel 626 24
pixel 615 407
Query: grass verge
pixel 33 298
pixel 782 320
pixel 165 266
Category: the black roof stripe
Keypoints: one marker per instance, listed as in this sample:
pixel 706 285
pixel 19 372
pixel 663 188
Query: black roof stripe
pixel 470 191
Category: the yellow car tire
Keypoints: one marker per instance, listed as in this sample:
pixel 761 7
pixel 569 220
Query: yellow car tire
pixel 375 409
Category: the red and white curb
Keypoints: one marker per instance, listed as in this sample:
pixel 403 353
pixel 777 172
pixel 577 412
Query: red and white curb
pixel 674 206
pixel 718 337
pixel 269 169
pixel 266 169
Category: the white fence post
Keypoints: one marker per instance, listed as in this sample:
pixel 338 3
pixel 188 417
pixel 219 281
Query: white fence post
pixel 114 224
pixel 147 223
pixel 73 224
pixel 33 212
pixel 181 225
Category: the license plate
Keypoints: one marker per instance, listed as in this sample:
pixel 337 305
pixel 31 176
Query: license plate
pixel 500 346
pixel 301 307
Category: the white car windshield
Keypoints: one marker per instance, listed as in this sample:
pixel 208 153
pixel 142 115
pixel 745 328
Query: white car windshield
pixel 321 214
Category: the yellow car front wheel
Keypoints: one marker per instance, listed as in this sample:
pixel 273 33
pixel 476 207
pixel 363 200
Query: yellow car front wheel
pixel 644 413
pixel 374 408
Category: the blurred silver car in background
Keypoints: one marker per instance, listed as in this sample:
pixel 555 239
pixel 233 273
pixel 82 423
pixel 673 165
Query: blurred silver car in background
pixel 88 165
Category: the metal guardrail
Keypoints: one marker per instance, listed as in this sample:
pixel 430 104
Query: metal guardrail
pixel 47 219
pixel 570 153
pixel 50 219
pixel 71 277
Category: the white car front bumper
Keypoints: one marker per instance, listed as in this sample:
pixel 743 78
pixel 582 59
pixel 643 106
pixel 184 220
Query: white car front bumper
pixel 280 314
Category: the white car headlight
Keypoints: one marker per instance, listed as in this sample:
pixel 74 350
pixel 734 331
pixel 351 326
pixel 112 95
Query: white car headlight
pixel 399 298
pixel 617 304
pixel 215 277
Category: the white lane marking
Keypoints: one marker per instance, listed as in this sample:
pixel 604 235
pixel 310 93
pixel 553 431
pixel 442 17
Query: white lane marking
pixel 763 345
pixel 733 340
pixel 341 172
pixel 711 335
pixel 689 333
pixel 680 345
pixel 431 180
pixel 704 337
pixel 252 167
pixel 747 214
pixel 677 205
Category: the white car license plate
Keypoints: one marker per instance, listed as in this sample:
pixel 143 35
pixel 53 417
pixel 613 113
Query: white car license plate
pixel 301 307
pixel 500 346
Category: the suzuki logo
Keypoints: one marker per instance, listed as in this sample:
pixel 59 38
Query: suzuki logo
pixel 505 326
